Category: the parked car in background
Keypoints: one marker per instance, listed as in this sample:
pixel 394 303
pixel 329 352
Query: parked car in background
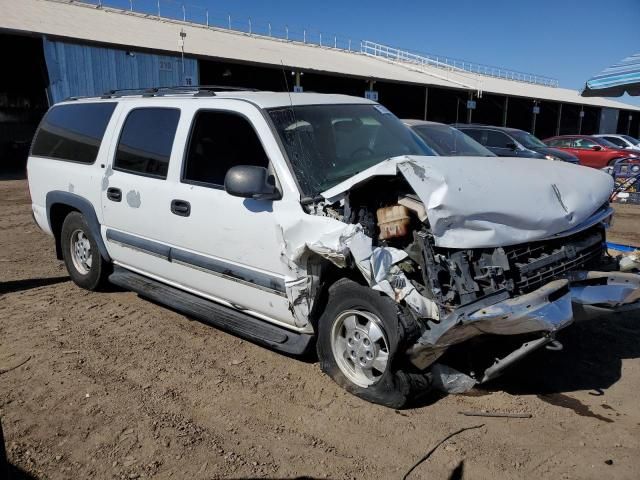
pixel 623 141
pixel 592 151
pixel 511 142
pixel 446 140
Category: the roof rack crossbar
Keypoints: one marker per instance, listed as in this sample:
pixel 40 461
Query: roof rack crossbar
pixel 195 90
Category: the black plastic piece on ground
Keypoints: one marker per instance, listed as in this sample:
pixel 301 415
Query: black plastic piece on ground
pixel 214 314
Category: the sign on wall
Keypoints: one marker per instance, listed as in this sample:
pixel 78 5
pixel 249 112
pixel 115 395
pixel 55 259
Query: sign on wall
pixel 371 95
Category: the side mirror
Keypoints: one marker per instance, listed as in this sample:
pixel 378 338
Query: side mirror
pixel 512 146
pixel 596 148
pixel 248 181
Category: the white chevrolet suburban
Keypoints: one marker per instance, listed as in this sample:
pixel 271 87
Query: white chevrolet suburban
pixel 301 220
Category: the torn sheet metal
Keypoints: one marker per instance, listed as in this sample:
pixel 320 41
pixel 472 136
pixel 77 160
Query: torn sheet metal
pixel 387 277
pixel 338 243
pixel 611 290
pixel 533 312
pixel 494 202
pixel 546 310
pixel 323 235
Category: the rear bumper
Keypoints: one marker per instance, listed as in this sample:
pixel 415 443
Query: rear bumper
pixel 544 311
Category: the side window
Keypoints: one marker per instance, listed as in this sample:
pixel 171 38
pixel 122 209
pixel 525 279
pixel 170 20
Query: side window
pixel 498 139
pixel 145 142
pixel 584 143
pixel 73 132
pixel 477 135
pixel 560 142
pixel 219 141
pixel 617 141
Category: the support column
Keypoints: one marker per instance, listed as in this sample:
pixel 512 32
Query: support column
pixel 559 120
pixel 580 117
pixel 534 115
pixel 470 110
pixel 426 102
pixel 505 109
pixel 298 79
pixel 629 123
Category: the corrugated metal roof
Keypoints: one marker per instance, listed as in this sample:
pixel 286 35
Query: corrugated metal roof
pixel 62 19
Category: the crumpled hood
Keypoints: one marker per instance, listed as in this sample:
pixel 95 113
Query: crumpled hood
pixel 487 202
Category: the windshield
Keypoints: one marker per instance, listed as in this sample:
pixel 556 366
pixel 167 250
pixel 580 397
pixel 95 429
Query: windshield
pixel 604 142
pixel 327 144
pixel 527 140
pixel 450 142
pixel 634 141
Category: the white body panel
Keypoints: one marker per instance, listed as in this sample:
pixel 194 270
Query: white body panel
pixel 47 175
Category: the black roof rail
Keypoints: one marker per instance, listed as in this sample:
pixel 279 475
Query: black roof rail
pixel 195 90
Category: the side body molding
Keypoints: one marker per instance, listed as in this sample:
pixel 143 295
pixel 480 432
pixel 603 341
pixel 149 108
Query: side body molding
pixel 83 206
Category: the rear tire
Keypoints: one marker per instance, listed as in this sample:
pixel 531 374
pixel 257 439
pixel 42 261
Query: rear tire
pixel 81 256
pixel 613 161
pixel 361 340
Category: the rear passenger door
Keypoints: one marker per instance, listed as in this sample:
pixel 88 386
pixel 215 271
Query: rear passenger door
pixel 135 188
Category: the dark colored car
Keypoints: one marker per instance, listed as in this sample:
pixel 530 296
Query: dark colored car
pixel 447 141
pixel 511 142
pixel 592 151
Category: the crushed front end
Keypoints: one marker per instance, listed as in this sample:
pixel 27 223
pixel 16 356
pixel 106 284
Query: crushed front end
pixel 534 288
pixel 451 256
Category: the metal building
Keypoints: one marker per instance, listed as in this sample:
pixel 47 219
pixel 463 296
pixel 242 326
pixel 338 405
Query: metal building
pixel 78 70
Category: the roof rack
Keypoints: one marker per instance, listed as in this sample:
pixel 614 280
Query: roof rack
pixel 195 90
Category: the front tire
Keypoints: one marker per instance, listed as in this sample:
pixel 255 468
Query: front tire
pixel 80 252
pixel 360 344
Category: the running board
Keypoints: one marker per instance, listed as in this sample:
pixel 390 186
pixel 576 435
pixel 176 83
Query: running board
pixel 219 316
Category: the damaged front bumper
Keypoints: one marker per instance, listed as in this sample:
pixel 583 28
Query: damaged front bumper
pixel 545 310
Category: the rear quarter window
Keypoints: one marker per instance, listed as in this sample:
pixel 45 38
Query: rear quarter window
pixel 73 132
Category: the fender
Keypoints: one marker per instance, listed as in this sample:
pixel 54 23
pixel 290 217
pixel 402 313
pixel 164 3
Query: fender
pixel 83 206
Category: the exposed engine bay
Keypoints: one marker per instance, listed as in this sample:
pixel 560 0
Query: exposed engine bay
pixel 393 216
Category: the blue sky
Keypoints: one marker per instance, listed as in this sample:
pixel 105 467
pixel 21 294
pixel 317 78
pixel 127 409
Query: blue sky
pixel 566 39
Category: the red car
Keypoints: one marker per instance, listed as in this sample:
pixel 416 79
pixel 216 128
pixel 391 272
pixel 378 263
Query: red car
pixel 591 151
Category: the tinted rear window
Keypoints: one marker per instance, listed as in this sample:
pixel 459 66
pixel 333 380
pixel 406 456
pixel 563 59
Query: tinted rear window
pixel 146 140
pixel 73 132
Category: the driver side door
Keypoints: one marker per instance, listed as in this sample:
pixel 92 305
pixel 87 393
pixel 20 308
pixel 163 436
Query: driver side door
pixel 223 247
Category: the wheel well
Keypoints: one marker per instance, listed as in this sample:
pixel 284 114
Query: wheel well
pixel 330 275
pixel 57 214
pixel 613 161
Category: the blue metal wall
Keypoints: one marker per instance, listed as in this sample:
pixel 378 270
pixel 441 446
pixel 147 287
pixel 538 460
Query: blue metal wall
pixel 77 70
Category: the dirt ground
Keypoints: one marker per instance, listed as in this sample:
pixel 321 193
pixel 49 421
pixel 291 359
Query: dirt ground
pixel 117 387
